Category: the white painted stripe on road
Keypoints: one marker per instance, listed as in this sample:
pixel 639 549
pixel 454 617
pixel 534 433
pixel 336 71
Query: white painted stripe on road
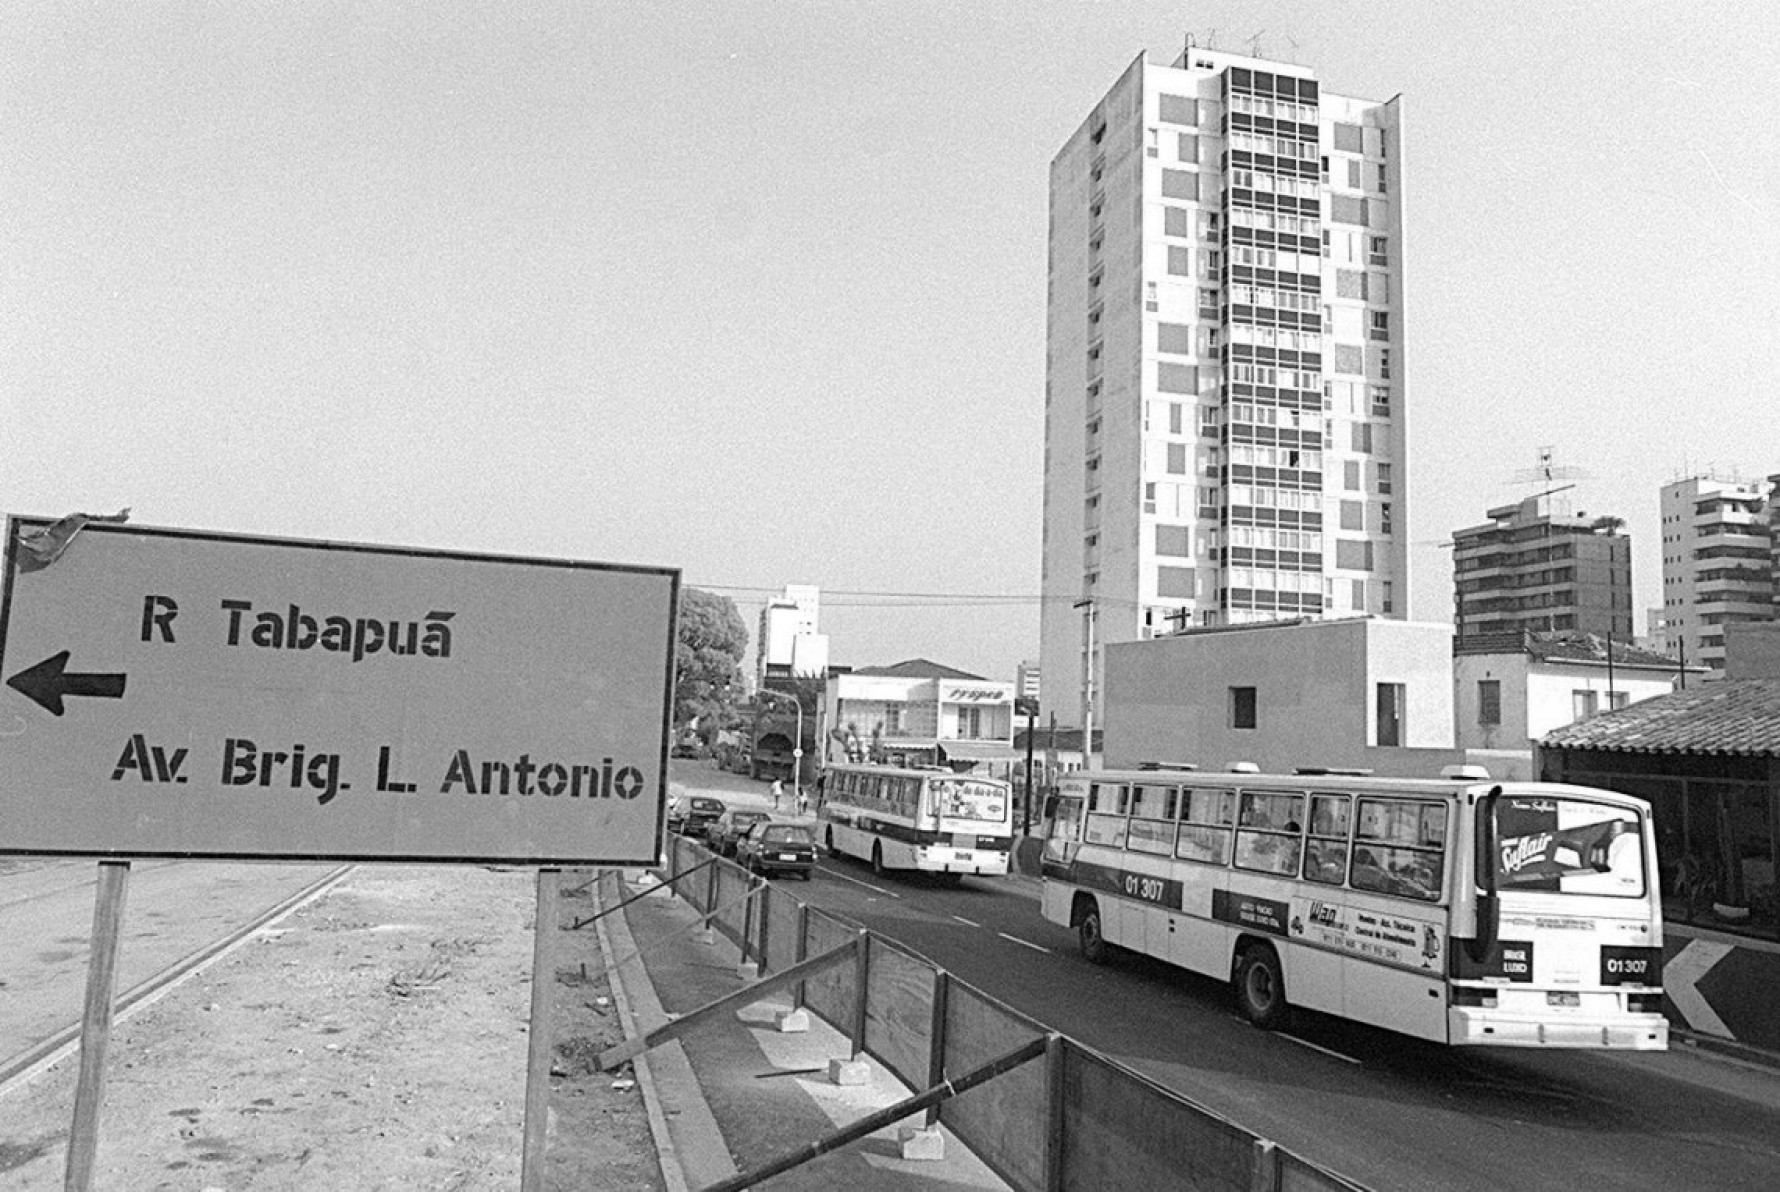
pixel 1024 943
pixel 965 921
pixel 1679 975
pixel 848 878
pixel 1317 1047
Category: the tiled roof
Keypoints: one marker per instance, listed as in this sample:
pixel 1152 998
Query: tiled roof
pixel 1565 646
pixel 916 668
pixel 1731 716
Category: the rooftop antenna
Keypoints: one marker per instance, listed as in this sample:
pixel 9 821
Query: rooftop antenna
pixel 1293 59
pixel 1254 44
pixel 1548 473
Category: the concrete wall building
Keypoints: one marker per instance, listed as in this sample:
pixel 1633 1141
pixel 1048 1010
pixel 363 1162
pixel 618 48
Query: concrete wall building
pixel 1534 568
pixel 918 713
pixel 1718 564
pixel 1511 689
pixel 1225 430
pixel 1355 693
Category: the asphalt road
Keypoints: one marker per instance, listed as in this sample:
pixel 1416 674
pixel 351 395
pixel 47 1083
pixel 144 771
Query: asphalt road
pixel 1389 1111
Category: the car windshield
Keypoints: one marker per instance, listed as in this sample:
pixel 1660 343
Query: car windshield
pixel 707 805
pixel 786 836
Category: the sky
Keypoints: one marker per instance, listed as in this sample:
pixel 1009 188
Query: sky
pixel 756 289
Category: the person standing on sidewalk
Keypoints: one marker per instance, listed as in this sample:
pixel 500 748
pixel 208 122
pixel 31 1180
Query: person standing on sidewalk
pixel 778 793
pixel 803 802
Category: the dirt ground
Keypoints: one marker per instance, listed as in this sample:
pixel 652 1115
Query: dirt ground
pixel 373 1039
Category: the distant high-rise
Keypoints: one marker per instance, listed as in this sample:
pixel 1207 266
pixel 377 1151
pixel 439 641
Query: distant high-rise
pixel 1225 431
pixel 1536 569
pixel 788 642
pixel 1718 565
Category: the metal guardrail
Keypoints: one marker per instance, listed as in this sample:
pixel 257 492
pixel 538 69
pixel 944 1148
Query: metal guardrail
pixel 1080 1120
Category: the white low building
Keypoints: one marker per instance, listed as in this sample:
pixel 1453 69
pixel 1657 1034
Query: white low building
pixel 919 713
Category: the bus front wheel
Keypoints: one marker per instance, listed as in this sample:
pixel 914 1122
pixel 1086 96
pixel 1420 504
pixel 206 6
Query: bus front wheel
pixel 1091 937
pixel 1261 987
pixel 877 859
pixel 834 853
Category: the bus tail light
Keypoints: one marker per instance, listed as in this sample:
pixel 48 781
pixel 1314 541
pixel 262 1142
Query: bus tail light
pixel 1472 995
pixel 1644 1003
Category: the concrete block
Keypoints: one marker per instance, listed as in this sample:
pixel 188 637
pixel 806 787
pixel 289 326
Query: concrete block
pixel 707 936
pixel 923 1144
pixel 849 1073
pixel 792 1022
pixel 748 970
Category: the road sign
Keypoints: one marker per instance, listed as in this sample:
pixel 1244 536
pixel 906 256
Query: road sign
pixel 174 692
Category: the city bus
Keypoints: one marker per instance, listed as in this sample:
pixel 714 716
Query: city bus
pixel 1458 909
pixel 919 818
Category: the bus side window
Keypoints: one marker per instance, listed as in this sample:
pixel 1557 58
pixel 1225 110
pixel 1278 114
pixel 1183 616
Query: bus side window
pixel 1205 826
pixel 1107 820
pixel 1325 854
pixel 1391 848
pixel 1270 836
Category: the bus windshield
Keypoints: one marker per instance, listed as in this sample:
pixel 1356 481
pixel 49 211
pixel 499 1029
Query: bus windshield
pixel 1568 846
pixel 961 799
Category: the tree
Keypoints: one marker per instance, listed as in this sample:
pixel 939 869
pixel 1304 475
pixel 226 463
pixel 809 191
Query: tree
pixel 707 662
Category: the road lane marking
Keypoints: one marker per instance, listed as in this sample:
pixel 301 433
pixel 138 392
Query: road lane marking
pixel 965 921
pixel 1317 1047
pixel 1023 943
pixel 848 878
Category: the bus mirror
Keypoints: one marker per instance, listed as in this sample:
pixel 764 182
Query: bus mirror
pixel 1489 911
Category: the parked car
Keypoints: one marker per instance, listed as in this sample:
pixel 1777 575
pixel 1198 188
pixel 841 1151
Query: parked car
pixel 700 812
pixel 676 816
pixel 722 832
pixel 771 848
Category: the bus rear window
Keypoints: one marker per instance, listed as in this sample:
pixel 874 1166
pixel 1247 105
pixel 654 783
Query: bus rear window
pixel 1569 846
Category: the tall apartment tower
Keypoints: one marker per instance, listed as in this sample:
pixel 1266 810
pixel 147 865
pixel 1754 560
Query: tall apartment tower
pixel 788 643
pixel 1536 568
pixel 1225 431
pixel 1718 565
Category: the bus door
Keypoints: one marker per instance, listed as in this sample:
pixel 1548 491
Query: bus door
pixel 1394 973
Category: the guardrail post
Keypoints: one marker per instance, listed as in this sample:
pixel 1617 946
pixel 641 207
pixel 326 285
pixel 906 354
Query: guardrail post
pixel 936 1037
pixel 803 952
pixel 1056 1108
pixel 748 924
pixel 861 975
pixel 711 892
pixel 1264 1175
pixel 766 920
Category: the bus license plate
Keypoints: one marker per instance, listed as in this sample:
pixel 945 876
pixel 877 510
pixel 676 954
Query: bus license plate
pixel 1563 999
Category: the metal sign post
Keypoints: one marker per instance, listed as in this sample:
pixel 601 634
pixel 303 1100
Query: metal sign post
pixel 95 1023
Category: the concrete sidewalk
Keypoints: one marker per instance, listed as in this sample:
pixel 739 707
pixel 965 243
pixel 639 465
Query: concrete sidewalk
pixel 738 1093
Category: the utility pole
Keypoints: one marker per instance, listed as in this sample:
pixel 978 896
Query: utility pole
pixel 1087 607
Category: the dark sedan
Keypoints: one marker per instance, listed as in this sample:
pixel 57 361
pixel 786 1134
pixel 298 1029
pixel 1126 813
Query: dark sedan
pixel 701 812
pixel 771 848
pixel 723 832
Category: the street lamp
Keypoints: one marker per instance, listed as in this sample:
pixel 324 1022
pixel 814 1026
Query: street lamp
pixel 797 746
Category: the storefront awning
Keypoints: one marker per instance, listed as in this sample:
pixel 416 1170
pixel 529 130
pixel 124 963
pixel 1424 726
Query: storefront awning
pixel 980 751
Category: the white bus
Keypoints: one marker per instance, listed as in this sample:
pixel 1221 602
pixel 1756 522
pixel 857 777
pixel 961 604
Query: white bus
pixel 927 819
pixel 1463 911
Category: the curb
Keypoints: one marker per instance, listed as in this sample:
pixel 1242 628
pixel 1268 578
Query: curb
pixel 690 1148
pixel 665 1156
pixel 1756 1057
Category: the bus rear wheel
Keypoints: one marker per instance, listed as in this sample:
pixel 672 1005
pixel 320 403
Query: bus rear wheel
pixel 1261 987
pixel 834 853
pixel 1090 936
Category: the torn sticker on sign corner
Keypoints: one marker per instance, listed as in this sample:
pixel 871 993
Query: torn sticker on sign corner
pixel 39 548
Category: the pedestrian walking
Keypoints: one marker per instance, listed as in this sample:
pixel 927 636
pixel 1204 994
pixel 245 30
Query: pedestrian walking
pixel 778 793
pixel 803 802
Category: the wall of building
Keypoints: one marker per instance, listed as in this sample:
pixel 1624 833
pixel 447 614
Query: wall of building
pixel 1315 684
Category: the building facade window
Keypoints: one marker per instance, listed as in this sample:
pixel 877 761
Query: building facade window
pixel 1583 704
pixel 1243 711
pixel 1391 698
pixel 1489 701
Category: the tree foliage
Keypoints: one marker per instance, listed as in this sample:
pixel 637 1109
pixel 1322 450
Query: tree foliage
pixel 707 662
